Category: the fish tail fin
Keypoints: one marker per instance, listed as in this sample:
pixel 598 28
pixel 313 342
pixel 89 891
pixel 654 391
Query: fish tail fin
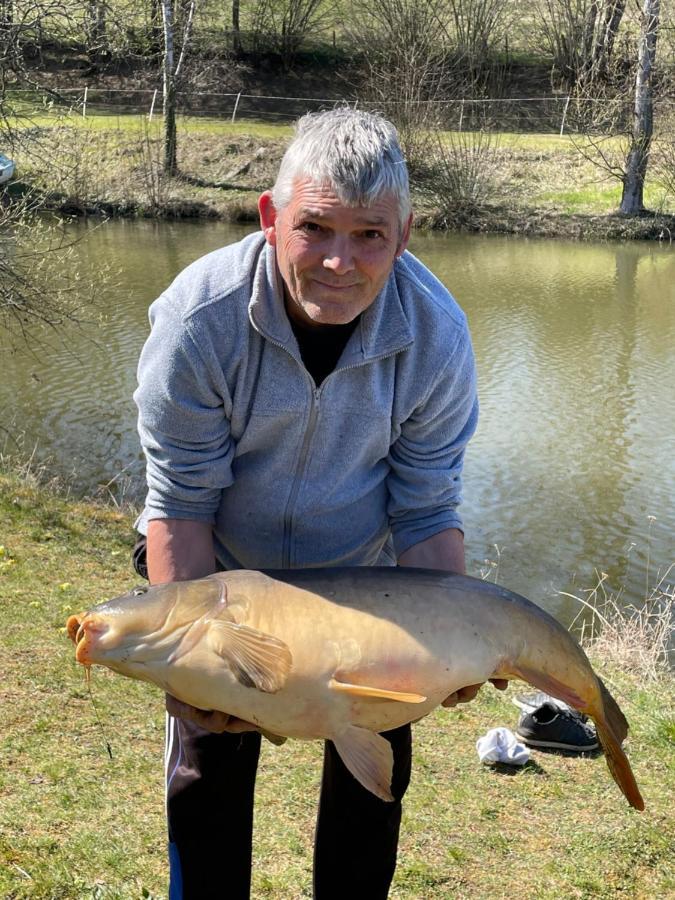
pixel 612 729
pixel 615 718
pixel 618 765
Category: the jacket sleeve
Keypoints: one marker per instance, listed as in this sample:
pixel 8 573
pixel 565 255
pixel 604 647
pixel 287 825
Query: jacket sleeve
pixel 426 460
pixel 183 406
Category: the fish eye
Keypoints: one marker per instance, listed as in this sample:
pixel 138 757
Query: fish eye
pixel 142 589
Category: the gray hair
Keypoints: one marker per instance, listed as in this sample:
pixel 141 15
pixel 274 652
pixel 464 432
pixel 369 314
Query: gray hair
pixel 356 153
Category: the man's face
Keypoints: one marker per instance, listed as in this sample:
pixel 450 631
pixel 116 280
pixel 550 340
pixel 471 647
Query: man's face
pixel 333 259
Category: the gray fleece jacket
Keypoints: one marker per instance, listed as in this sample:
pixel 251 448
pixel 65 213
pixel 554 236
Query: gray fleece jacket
pixel 236 433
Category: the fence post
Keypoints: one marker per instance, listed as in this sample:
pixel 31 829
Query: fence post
pixel 152 106
pixel 461 114
pixel 84 103
pixel 236 104
pixel 562 124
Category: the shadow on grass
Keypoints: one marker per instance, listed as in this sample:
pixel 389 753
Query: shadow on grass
pixel 555 751
pixel 533 767
pixel 530 766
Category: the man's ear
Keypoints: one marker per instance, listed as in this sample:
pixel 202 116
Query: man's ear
pixel 405 237
pixel 268 217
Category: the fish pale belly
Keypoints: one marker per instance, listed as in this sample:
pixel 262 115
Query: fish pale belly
pixel 309 706
pixel 402 642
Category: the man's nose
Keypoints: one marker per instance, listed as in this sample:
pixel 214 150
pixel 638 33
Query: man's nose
pixel 339 257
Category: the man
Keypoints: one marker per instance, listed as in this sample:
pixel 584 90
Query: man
pixel 305 398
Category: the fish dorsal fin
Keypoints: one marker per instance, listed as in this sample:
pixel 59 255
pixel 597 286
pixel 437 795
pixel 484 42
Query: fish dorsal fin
pixel 257 659
pixel 364 690
pixel 369 758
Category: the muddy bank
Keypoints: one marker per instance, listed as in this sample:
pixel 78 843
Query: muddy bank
pixel 533 222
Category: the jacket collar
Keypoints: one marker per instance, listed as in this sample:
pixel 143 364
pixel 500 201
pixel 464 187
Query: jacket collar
pixel 383 329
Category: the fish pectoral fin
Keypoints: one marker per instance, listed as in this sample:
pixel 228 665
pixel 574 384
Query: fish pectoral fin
pixel 364 690
pixel 369 758
pixel 257 659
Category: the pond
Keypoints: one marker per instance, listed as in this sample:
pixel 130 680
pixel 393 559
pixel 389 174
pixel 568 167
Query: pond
pixel 572 469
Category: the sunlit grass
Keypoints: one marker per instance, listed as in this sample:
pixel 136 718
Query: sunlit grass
pixel 588 199
pixel 116 160
pixel 138 123
pixel 76 825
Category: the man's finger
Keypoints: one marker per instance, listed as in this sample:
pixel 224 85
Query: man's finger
pixel 450 701
pixel 463 695
pixel 212 719
pixel 238 726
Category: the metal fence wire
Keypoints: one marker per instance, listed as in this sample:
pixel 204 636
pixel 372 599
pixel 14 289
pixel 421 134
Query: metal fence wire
pixel 557 114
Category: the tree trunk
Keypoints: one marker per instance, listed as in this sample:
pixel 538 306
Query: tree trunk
pixel 632 200
pixel 169 94
pixel 6 13
pixel 187 30
pixel 613 17
pixel 97 38
pixel 586 67
pixel 156 26
pixel 236 33
pixel 6 37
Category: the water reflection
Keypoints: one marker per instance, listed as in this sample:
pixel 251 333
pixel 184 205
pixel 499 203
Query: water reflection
pixel 577 372
pixel 574 342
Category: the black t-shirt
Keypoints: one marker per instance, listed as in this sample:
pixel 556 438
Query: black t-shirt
pixel 321 346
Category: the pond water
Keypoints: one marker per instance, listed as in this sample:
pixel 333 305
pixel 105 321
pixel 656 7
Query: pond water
pixel 573 465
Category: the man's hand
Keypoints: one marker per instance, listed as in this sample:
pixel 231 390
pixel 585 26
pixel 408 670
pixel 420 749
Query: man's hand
pixel 212 720
pixel 463 695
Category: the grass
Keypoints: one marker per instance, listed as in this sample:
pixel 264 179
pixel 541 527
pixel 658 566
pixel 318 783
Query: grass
pixel 76 824
pixel 638 639
pixel 133 123
pixel 543 184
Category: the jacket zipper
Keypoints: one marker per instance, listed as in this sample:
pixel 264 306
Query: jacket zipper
pixel 297 480
pixel 304 453
pixel 309 434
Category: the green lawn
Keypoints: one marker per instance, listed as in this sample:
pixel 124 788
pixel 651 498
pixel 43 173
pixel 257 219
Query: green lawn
pixel 114 163
pixel 76 824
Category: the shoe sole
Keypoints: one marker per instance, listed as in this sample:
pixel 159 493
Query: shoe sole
pixel 556 745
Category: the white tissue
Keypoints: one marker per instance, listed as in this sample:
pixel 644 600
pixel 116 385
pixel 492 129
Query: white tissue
pixel 501 745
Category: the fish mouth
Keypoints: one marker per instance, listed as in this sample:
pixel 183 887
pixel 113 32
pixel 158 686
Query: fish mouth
pixel 84 631
pixel 74 628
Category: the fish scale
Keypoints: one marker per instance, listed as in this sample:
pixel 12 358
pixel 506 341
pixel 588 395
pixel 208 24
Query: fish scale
pixel 344 654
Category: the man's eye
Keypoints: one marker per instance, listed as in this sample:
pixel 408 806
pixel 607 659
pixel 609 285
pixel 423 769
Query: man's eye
pixel 371 234
pixel 311 227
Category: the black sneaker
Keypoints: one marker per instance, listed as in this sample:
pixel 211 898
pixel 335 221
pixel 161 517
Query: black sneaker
pixel 561 729
pixel 530 702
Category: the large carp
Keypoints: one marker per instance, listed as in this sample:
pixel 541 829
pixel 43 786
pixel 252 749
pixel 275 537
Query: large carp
pixel 343 653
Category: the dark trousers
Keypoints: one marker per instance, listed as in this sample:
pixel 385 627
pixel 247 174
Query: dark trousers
pixel 210 785
pixel 210 780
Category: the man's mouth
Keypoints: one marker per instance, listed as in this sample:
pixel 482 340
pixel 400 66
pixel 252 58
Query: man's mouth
pixel 337 287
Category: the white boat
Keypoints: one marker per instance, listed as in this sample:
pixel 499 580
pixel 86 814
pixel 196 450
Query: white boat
pixel 6 168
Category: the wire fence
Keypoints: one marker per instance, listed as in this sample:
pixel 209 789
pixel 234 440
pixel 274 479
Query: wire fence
pixel 558 114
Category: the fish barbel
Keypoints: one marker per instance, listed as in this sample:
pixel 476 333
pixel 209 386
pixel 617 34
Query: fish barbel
pixel 344 654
